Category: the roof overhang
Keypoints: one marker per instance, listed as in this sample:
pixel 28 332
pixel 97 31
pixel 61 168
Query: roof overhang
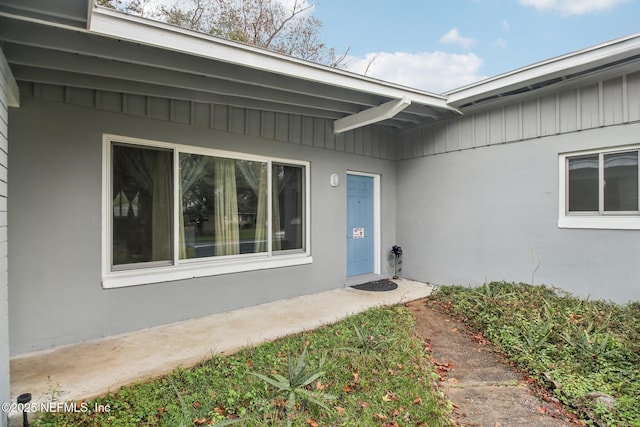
pixel 596 59
pixel 120 52
pixel 10 87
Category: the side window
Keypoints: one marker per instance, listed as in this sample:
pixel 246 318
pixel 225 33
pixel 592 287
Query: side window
pixel 600 189
pixel 603 183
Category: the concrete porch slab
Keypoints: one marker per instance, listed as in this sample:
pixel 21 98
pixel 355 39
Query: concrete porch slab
pixel 90 369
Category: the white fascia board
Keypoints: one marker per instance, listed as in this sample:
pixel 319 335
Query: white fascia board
pixel 371 115
pixel 561 64
pixel 11 86
pixel 119 25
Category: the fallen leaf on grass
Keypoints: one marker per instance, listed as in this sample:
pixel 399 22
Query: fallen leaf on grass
pixel 340 409
pixel 312 423
pixel 390 396
pixel 363 404
pixel 417 401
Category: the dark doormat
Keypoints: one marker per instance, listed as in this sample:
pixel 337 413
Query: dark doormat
pixel 377 286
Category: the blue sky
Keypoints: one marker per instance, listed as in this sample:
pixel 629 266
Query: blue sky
pixel 438 45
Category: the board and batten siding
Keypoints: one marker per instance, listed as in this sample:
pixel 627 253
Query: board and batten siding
pixel 6 80
pixel 371 141
pixel 595 104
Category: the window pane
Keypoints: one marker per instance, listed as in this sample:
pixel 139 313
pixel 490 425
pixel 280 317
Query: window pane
pixel 142 205
pixel 288 207
pixel 621 181
pixel 223 206
pixel 583 184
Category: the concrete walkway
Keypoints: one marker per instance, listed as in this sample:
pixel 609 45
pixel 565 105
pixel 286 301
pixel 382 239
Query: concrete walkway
pixel 87 370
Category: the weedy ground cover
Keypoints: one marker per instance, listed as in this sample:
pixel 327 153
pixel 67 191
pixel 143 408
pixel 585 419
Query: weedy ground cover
pixel 587 352
pixel 369 369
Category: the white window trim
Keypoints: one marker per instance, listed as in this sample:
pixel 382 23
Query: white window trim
pixel 596 220
pixel 377 255
pixel 194 268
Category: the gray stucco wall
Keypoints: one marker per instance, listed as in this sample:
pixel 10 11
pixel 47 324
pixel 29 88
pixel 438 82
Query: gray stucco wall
pixel 4 308
pixel 478 195
pixel 56 296
pixel 473 215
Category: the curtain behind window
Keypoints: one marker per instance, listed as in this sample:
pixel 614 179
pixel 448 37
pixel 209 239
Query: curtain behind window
pixel 227 240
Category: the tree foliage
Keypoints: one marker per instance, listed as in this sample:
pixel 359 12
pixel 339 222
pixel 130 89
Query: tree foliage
pixel 287 27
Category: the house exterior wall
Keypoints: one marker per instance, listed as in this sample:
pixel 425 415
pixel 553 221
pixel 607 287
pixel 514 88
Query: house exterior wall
pixel 478 197
pixel 5 79
pixel 56 295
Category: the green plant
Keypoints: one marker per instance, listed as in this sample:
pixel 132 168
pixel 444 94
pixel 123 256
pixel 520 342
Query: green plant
pixel 299 376
pixel 536 335
pixel 369 344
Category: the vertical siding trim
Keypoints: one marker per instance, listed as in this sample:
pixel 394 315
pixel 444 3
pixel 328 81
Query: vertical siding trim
pixel 558 114
pixel 521 119
pixel 473 130
pixel 578 109
pixel 539 116
pixel 504 123
pixel 625 100
pixel 600 103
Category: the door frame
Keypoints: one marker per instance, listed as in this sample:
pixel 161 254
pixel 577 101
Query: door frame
pixel 376 217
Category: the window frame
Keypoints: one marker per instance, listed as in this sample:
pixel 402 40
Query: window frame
pixel 180 269
pixel 601 219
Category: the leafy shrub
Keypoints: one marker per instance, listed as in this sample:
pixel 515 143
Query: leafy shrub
pixel 574 346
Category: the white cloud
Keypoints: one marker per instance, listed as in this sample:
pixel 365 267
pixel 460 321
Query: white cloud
pixel 500 43
pixel 434 72
pixel 573 7
pixel 506 26
pixel 454 37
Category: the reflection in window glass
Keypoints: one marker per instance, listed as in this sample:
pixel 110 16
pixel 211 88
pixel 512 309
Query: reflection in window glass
pixel 166 204
pixel 288 209
pixel 142 205
pixel 223 206
pixel 621 181
pixel 583 184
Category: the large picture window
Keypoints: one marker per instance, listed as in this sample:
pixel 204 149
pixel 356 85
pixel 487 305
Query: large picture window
pixel 174 210
pixel 599 189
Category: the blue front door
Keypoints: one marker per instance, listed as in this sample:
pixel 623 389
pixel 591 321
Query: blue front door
pixel 360 228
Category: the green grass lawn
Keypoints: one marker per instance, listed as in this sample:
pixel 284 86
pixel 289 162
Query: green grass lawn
pixel 586 352
pixel 369 369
